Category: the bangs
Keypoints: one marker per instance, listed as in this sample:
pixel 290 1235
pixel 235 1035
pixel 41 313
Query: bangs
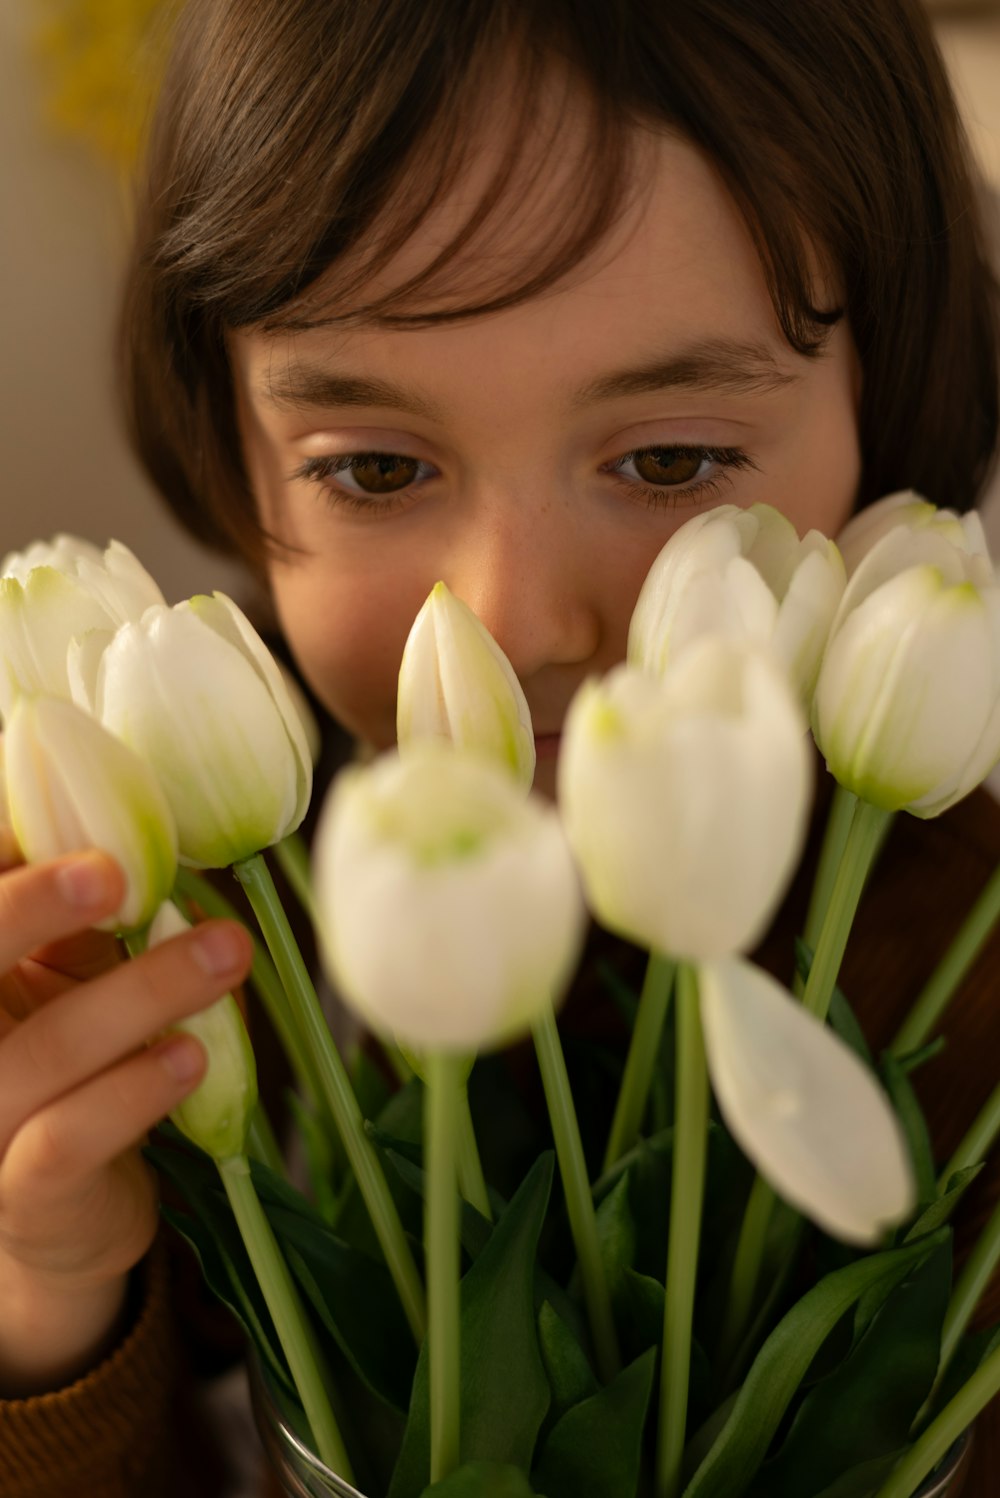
pixel 362 163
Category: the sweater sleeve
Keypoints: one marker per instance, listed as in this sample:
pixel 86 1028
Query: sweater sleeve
pixel 108 1434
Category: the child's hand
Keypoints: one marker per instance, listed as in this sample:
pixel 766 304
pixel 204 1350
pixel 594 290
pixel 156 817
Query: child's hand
pixel 78 1091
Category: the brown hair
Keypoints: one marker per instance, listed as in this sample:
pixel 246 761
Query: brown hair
pixel 288 134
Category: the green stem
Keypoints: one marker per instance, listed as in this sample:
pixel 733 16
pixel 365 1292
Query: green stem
pixel 576 1188
pixel 643 1054
pixel 686 1196
pixel 961 954
pixel 261 1142
pixel 293 860
pixel 335 1086
pixel 297 1339
pixel 975 1276
pixel 441 1232
pixel 977 1142
pixel 471 1181
pixel 863 841
pixel 264 977
pixel 746 1269
pixel 838 825
pixel 944 1430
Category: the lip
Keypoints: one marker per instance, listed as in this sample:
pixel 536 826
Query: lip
pixel 547 745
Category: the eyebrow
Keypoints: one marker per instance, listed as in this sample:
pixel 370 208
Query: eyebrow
pixel 718 366
pixel 712 366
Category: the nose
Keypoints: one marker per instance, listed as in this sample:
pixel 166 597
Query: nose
pixel 529 580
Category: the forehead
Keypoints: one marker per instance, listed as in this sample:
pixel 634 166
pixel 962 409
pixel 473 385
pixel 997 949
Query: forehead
pixel 676 269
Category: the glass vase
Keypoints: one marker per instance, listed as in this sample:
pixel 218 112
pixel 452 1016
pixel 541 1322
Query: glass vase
pixel 303 1475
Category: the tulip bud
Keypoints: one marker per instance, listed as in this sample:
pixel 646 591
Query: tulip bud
pixel 456 684
pixel 450 912
pixel 744 574
pixel 54 593
pixel 216 1116
pixel 194 690
pixel 802 1106
pixel 72 785
pixel 684 799
pixel 907 706
pixel 907 509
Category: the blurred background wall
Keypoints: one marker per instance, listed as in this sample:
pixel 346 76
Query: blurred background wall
pixel 62 232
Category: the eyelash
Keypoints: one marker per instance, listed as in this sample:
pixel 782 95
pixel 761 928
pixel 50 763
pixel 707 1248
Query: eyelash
pixel 319 469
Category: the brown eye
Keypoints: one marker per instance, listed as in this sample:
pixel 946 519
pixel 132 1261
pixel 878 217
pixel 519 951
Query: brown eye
pixel 668 465
pixel 383 473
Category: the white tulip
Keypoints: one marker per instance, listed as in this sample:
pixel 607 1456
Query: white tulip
pixel 802 1106
pixel 907 706
pixel 456 684
pixel 908 509
pixel 194 691
pixel 216 1116
pixel 300 702
pixel 54 593
pixel 72 785
pixel 450 912
pixel 685 798
pixel 745 574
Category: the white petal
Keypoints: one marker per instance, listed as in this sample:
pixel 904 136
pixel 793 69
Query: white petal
pixel 450 910
pixel 802 1106
pixel 196 708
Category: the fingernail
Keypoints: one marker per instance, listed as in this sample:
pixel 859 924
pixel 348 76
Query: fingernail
pixel 183 1058
pixel 85 881
pixel 218 949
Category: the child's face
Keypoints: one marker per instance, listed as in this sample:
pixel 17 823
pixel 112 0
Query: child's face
pixel 507 440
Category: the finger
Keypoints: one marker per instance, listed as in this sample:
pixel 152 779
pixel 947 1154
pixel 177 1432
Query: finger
pixel 32 984
pixel 82 1033
pixel 46 902
pixel 49 1171
pixel 83 955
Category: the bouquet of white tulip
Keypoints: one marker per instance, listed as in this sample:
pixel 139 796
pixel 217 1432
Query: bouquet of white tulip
pixel 430 1313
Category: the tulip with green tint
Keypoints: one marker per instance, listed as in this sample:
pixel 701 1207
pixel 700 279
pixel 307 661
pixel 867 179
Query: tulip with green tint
pixel 744 574
pixel 55 593
pixel 802 1106
pixel 216 1116
pixel 684 798
pixel 194 691
pixel 73 785
pixel 912 512
pixel 449 909
pixel 456 684
pixel 907 706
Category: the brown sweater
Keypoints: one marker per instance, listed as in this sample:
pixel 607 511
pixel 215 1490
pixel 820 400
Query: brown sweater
pixel 129 1429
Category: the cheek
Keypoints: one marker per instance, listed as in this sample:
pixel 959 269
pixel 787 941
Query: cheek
pixel 348 641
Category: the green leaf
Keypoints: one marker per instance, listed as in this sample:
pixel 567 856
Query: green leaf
pixel 482 1480
pixel 570 1375
pixel 594 1451
pixel 972 1350
pixel 940 1211
pixel 866 1407
pixel 616 1236
pixel 323 1157
pixel 783 1361
pixel 863 1480
pixel 914 1126
pixel 371 1088
pixel 504 1393
pixel 474 1229
pixel 227 1279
